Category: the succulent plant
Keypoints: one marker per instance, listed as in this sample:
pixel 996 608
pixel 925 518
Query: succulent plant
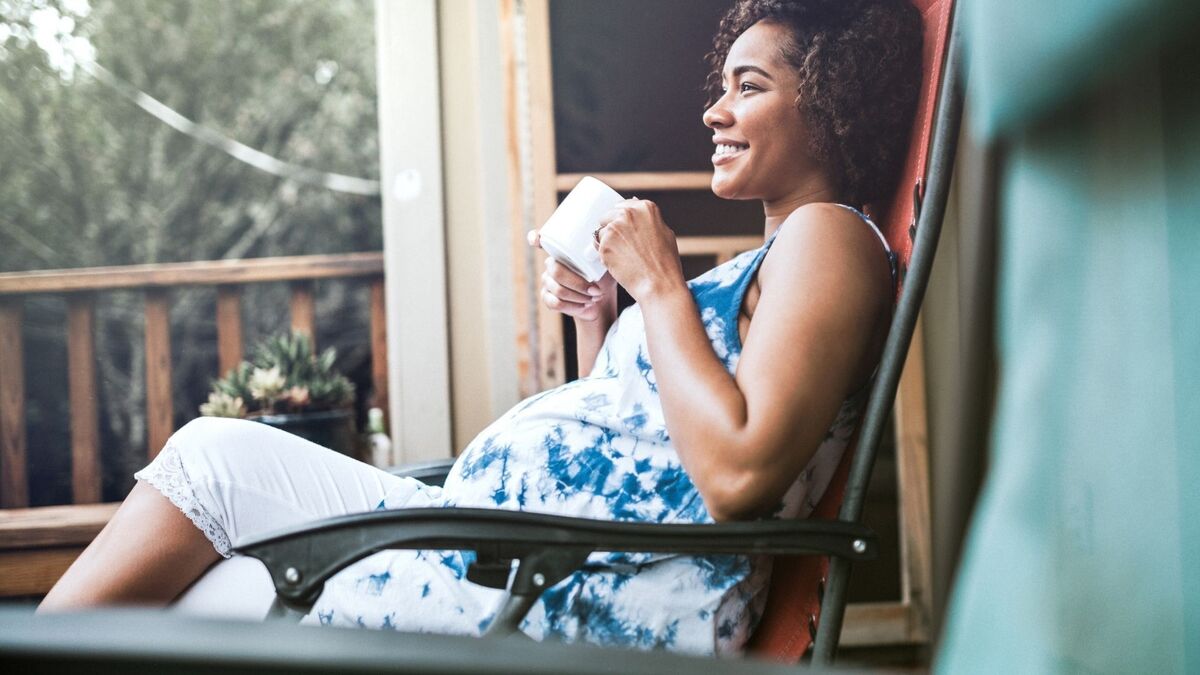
pixel 284 375
pixel 221 404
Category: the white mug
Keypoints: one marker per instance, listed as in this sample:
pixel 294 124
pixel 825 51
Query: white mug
pixel 569 235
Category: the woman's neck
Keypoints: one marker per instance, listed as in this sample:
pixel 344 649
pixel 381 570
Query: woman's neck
pixel 777 210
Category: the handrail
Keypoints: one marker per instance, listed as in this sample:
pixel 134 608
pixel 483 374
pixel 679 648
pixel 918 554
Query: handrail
pixel 202 273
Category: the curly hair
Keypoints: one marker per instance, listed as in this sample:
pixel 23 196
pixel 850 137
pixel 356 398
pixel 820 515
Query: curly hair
pixel 859 63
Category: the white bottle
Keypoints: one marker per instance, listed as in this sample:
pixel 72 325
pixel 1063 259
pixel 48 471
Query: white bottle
pixel 379 443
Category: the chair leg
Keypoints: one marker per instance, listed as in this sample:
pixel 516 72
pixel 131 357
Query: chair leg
pixel 508 620
pixel 833 610
pixel 281 611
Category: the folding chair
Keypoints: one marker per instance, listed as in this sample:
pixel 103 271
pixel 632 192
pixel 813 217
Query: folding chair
pixel 911 222
pixel 549 548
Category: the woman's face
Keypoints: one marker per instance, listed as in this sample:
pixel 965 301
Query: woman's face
pixel 761 142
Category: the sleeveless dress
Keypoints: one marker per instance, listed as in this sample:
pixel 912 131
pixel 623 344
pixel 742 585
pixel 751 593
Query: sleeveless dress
pixel 597 448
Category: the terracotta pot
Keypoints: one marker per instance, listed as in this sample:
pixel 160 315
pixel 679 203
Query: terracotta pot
pixel 334 429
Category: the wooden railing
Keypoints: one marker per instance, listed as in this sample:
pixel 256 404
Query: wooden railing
pixel 155 281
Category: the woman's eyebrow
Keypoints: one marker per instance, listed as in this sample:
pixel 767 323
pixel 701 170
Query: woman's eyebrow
pixel 741 70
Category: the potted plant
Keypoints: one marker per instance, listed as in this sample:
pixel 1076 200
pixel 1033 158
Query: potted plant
pixel 288 386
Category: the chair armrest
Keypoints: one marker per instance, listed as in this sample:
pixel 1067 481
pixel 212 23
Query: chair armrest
pixel 432 472
pixel 301 559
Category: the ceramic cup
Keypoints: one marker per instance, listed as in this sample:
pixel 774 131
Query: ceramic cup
pixel 568 236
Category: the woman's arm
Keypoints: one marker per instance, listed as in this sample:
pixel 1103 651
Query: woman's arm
pixel 589 335
pixel 824 296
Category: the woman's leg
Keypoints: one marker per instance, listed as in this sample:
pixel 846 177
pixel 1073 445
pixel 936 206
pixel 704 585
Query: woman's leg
pixel 147 554
pixel 236 588
pixel 222 480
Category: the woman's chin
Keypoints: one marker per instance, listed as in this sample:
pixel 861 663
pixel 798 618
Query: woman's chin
pixel 724 188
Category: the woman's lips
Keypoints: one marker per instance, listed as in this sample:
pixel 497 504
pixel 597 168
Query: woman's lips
pixel 720 158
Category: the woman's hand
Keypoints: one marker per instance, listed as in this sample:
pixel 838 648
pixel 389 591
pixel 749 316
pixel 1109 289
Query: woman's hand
pixel 565 291
pixel 639 249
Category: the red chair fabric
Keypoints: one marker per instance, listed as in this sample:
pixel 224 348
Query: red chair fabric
pixel 793 601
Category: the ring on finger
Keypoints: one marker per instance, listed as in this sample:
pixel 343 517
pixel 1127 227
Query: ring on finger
pixel 596 234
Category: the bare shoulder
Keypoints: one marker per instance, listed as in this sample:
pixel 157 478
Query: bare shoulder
pixel 828 242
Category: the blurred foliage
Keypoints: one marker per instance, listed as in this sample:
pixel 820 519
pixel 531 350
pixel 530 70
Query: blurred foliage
pixel 87 178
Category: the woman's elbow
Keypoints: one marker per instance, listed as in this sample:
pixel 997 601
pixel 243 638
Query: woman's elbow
pixel 739 498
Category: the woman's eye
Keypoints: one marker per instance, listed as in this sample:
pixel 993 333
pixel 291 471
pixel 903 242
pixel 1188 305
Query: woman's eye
pixel 745 87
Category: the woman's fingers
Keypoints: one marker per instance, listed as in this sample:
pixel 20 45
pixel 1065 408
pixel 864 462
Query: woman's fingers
pixel 587 311
pixel 570 280
pixel 534 238
pixel 563 292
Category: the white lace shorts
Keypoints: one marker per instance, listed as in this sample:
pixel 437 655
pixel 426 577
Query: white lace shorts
pixel 236 479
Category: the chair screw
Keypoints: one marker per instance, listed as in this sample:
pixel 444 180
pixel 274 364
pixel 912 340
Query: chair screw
pixel 291 575
pixel 539 579
pixel 859 546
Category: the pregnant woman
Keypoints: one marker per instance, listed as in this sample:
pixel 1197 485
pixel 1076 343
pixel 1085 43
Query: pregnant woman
pixel 728 397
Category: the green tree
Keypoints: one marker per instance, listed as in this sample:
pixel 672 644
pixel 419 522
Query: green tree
pixel 87 178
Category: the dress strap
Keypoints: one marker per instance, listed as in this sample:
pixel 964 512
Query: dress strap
pixel 891 255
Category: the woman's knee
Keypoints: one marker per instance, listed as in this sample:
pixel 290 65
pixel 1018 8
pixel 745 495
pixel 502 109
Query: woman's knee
pixel 205 434
pixel 227 449
pixel 215 445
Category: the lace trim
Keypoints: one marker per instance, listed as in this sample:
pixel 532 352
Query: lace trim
pixel 167 475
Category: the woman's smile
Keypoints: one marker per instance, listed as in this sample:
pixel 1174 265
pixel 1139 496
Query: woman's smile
pixel 727 151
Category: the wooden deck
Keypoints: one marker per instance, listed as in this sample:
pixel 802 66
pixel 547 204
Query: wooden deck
pixel 38 544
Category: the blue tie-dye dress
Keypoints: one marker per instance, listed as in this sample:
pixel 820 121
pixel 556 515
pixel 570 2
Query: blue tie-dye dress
pixel 596 448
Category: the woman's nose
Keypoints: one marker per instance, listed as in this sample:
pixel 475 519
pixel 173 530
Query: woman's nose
pixel 717 115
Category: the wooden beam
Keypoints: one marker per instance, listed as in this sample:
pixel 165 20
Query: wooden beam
pixel 912 476
pixel 159 410
pixel 229 328
pixel 44 526
pixel 304 310
pixel 626 182
pixel 524 274
pixel 34 572
pixel 870 624
pixel 203 273
pixel 14 483
pixel 379 364
pixel 723 247
pixel 85 415
pixel 409 103
pixel 551 359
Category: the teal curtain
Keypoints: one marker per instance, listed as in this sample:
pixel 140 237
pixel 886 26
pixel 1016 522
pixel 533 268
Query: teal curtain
pixel 1084 554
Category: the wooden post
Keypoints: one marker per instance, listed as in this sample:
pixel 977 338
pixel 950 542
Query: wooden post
pixel 414 220
pixel 229 328
pixel 379 347
pixel 523 274
pixel 912 474
pixel 303 310
pixel 551 359
pixel 159 410
pixel 85 417
pixel 14 484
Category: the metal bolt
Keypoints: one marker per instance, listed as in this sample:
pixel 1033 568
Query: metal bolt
pixel 539 579
pixel 291 575
pixel 859 546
